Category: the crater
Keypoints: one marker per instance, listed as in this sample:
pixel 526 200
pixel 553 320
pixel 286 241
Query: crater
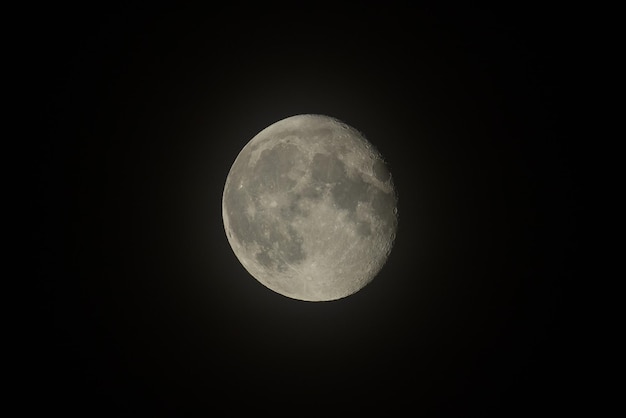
pixel 380 171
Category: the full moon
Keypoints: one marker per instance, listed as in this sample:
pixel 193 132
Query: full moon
pixel 309 208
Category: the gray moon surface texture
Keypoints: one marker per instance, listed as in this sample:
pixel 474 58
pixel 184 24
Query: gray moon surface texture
pixel 310 209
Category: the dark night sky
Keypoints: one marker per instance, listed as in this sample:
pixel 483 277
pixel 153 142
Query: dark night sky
pixel 146 310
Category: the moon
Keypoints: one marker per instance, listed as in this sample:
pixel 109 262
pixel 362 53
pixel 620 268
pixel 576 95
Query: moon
pixel 309 208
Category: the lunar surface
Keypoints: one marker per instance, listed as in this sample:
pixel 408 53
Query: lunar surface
pixel 309 208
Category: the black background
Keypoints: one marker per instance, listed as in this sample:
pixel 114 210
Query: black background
pixel 145 308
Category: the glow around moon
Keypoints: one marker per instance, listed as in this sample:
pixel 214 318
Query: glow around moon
pixel 309 208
